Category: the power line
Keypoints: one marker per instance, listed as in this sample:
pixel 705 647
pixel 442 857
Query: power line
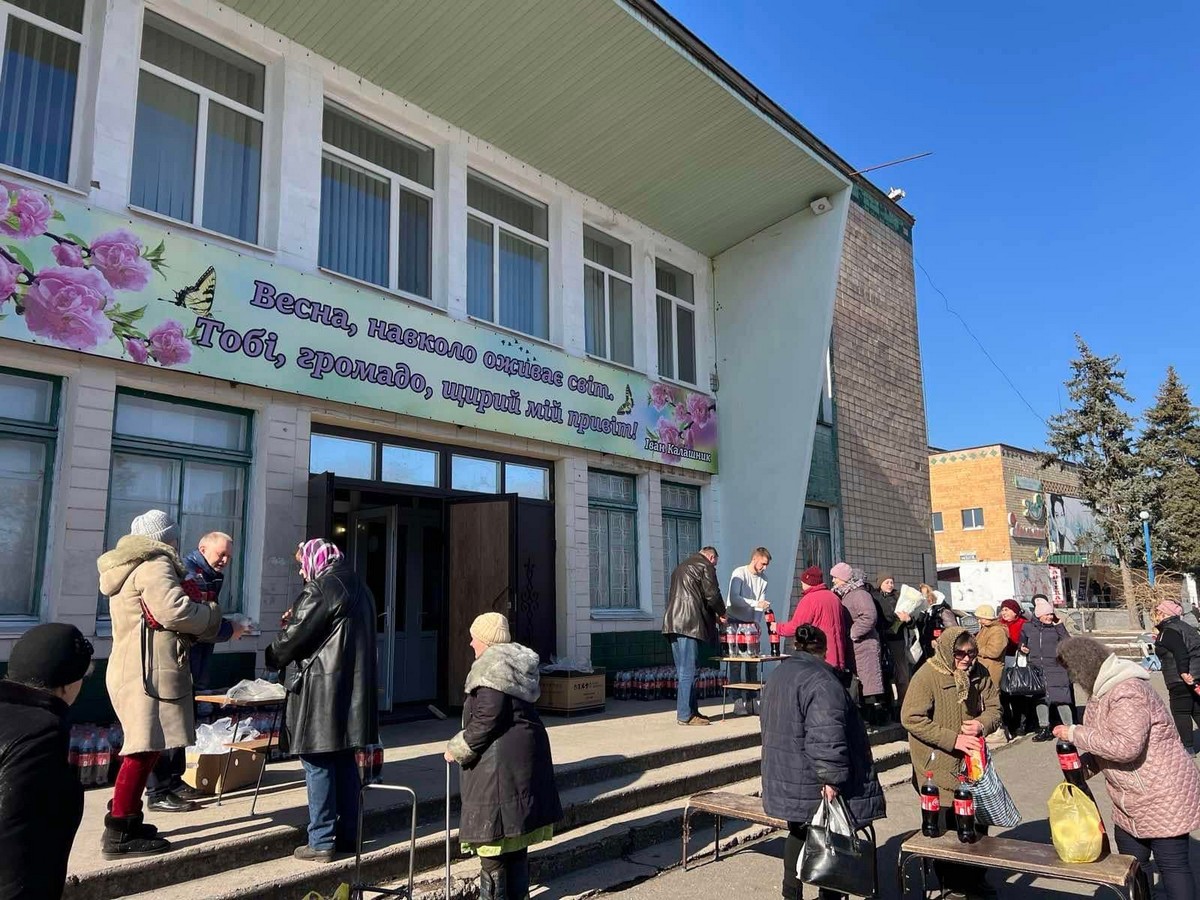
pixel 950 309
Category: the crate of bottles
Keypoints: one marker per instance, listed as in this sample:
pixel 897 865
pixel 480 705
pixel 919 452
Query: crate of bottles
pixel 662 683
pixel 572 692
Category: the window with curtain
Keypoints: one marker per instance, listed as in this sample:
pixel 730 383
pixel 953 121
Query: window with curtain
pixel 508 255
pixel 197 149
pixel 681 526
pixel 612 540
pixel 190 461
pixel 28 429
pixel 676 316
pixel 608 296
pixel 39 78
pixel 376 204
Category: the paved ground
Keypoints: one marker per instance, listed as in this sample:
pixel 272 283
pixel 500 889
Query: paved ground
pixel 1030 771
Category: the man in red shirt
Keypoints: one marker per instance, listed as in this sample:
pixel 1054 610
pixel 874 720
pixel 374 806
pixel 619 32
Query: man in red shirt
pixel 821 607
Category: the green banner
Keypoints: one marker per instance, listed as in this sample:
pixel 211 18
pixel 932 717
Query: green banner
pixel 87 280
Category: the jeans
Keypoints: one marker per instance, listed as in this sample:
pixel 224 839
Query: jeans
pixel 1043 713
pixel 792 886
pixel 1171 855
pixel 167 775
pixel 685 651
pixel 333 785
pixel 1185 709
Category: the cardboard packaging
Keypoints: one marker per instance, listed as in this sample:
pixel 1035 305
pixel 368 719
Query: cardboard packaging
pixel 570 692
pixel 204 770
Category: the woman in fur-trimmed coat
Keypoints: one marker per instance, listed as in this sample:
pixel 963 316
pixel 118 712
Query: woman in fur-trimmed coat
pixel 509 798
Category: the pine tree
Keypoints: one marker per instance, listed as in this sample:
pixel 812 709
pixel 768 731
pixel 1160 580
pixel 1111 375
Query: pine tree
pixel 1169 453
pixel 1096 435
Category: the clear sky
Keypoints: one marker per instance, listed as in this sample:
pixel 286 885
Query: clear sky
pixel 1062 194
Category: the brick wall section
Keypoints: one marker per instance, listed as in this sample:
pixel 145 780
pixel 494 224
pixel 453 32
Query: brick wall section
pixel 966 479
pixel 879 403
pixel 1055 479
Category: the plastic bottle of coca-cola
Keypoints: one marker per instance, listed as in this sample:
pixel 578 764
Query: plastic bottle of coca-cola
pixel 87 759
pixel 931 808
pixel 362 759
pixel 73 743
pixel 964 812
pixel 103 758
pixel 116 738
pixel 773 631
pixel 377 764
pixel 1071 765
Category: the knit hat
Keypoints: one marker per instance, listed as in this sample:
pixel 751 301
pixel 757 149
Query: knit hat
pixel 1169 608
pixel 842 572
pixel 156 525
pixel 1012 606
pixel 50 656
pixel 985 611
pixel 812 576
pixel 881 577
pixel 1042 607
pixel 491 628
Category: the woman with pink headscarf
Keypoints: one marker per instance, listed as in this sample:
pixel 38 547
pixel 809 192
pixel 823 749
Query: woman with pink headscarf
pixel 1178 648
pixel 329 633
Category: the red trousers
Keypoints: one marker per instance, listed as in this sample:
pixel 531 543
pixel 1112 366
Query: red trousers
pixel 131 782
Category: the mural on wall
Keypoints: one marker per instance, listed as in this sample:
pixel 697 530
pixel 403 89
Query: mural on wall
pixel 86 280
pixel 1030 579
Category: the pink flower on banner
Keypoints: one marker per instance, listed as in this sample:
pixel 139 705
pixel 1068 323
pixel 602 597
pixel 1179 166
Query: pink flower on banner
pixel 168 344
pixel 8 278
pixel 27 213
pixel 682 415
pixel 661 395
pixel 68 254
pixel 118 254
pixel 700 408
pixel 137 350
pixel 66 306
pixel 668 433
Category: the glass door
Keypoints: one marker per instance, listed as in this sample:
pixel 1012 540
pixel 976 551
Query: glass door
pixel 374 543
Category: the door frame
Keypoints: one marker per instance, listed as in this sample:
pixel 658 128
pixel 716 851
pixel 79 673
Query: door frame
pixel 389 515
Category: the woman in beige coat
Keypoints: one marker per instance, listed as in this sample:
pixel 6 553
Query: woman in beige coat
pixel 154 624
pixel 992 641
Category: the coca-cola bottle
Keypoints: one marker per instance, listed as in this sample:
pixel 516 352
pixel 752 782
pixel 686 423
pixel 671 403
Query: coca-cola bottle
pixel 377 764
pixel 103 758
pixel 73 751
pixel 1072 767
pixel 931 808
pixel 87 760
pixel 773 631
pixel 964 812
pixel 362 759
pixel 116 737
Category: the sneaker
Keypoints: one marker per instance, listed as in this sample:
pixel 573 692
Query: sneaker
pixel 309 854
pixel 694 720
pixel 172 804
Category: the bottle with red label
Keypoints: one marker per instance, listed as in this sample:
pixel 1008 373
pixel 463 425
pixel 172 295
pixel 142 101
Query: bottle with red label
pixel 377 764
pixel 87 760
pixel 964 812
pixel 1071 765
pixel 362 759
pixel 103 758
pixel 931 808
pixel 773 631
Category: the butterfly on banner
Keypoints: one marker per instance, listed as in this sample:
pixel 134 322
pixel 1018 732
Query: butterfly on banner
pixel 198 297
pixel 627 407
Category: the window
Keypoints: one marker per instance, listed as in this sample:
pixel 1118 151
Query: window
pixel 189 461
pixel 972 518
pixel 376 205
pixel 341 456
pixel 676 322
pixel 817 538
pixel 197 149
pixel 681 526
pixel 608 296
pixel 937 522
pixel 612 540
pixel 408 465
pixel 28 419
pixel 508 251
pixel 527 481
pixel 469 473
pixel 39 78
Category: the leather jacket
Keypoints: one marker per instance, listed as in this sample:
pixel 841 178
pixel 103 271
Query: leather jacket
pixel 694 602
pixel 331 702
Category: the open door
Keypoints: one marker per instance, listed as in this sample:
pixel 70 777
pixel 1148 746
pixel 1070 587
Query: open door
pixel 534 605
pixel 320 506
pixel 375 544
pixel 480 562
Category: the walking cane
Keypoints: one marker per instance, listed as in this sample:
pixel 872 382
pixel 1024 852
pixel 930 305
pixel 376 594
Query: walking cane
pixel 447 831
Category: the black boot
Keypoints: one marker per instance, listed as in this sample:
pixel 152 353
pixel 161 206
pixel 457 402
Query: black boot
pixel 144 830
pixel 1043 735
pixel 517 870
pixel 123 839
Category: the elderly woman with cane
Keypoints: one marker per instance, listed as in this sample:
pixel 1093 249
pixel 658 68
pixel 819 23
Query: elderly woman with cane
pixel 509 798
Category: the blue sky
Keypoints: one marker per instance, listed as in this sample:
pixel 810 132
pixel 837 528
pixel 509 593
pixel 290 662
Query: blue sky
pixel 1062 195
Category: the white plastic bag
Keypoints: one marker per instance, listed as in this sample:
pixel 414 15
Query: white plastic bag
pixel 910 599
pixel 566 664
pixel 831 815
pixel 216 738
pixel 258 689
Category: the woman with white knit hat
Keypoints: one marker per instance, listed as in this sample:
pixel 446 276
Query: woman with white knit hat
pixel 509 798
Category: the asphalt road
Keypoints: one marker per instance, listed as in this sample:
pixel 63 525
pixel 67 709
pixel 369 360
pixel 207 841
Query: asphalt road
pixel 1030 772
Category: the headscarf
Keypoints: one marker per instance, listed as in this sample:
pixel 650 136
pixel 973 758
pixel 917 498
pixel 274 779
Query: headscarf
pixel 1169 608
pixel 853 583
pixel 943 662
pixel 316 556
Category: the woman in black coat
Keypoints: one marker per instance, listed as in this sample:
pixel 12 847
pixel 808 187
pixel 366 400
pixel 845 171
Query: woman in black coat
pixel 331 704
pixel 509 798
pixel 1178 648
pixel 814 744
pixel 1040 638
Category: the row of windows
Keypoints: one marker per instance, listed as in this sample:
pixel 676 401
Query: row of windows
pixel 197 158
pixel 971 519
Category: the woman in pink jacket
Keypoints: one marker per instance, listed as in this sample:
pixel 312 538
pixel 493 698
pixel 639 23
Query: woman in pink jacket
pixel 1129 736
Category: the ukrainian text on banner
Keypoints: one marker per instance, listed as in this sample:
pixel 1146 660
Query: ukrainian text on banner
pixel 87 280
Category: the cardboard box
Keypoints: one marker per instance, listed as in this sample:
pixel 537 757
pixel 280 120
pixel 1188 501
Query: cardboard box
pixel 568 692
pixel 204 770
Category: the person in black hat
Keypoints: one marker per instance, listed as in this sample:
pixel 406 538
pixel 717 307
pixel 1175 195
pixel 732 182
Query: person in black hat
pixel 41 802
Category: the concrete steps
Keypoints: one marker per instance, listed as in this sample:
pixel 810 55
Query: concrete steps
pixel 610 810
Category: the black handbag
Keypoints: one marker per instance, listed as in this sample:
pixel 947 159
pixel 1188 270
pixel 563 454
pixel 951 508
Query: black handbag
pixel 1023 679
pixel 835 856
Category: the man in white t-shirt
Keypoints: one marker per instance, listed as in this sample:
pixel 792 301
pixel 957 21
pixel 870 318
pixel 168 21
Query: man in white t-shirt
pixel 746 602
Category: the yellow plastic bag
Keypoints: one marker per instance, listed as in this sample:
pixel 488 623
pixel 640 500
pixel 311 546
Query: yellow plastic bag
pixel 342 893
pixel 1075 825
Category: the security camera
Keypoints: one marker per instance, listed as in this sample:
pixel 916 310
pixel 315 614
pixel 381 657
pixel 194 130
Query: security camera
pixel 896 194
pixel 820 206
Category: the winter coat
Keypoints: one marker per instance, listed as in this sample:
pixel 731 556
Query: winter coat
pixel 812 736
pixel 1014 629
pixel 1132 741
pixel 508 784
pixel 890 626
pixel 864 640
pixel 933 715
pixel 694 601
pixel 1178 648
pixel 209 581
pixel 41 801
pixel 1042 641
pixel 821 607
pixel 992 641
pixel 932 622
pixel 152 696
pixel 331 700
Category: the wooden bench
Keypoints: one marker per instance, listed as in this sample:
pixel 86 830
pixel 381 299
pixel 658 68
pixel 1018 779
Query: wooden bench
pixel 1115 873
pixel 724 805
